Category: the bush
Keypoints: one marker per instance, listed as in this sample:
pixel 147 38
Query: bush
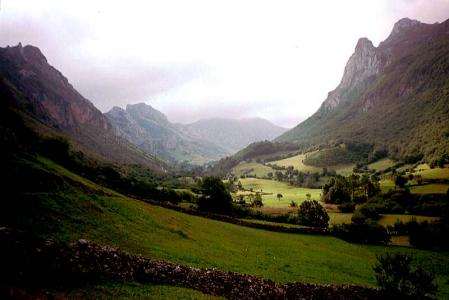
pixel 311 213
pixel 368 232
pixel 370 211
pixel 429 235
pixel 395 276
pixel 347 207
pixel 215 197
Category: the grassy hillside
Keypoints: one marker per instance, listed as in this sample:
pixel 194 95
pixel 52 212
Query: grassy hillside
pixel 298 162
pixel 79 208
pixel 404 108
pixel 251 169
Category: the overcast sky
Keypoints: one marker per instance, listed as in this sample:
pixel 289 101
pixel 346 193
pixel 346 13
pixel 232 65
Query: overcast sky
pixel 200 59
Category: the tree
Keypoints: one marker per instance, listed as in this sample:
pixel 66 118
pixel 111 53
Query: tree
pixel 215 197
pixel 394 274
pixel 400 181
pixel 308 196
pixel 311 213
pixel 279 196
pixel 257 200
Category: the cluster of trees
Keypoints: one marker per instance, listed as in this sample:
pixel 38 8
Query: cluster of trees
pixel 395 275
pixel 298 178
pixel 351 189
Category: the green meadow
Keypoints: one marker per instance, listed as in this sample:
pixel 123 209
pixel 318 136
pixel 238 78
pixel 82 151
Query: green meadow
pixel 297 163
pixel 89 211
pixel 270 189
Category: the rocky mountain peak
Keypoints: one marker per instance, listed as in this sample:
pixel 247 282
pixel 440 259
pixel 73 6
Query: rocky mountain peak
pixel 364 63
pixel 146 111
pixel 403 25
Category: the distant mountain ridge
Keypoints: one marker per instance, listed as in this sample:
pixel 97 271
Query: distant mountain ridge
pixel 199 142
pixel 394 96
pixel 235 134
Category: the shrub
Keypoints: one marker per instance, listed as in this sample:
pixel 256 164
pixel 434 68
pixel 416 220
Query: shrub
pixel 429 235
pixel 257 201
pixel 311 213
pixel 347 207
pixel 395 276
pixel 368 232
pixel 216 198
pixel 370 211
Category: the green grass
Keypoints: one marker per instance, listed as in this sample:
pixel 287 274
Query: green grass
pixel 435 173
pixel 252 168
pixel 273 187
pixel 297 162
pixel 132 291
pixel 381 165
pixel 386 220
pixel 339 218
pixel 155 232
pixel 433 188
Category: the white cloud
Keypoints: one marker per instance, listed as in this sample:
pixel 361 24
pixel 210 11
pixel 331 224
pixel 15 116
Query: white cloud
pixel 196 59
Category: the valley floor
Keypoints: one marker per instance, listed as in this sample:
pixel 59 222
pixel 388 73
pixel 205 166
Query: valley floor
pixel 93 212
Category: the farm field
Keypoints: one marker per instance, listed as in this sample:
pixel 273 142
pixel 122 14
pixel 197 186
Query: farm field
pixel 433 188
pixel 436 173
pixel 297 162
pixel 381 165
pixel 273 187
pixel 385 220
pixel 252 169
pixel 139 228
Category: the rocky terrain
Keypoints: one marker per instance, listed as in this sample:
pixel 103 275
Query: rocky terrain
pixel 394 96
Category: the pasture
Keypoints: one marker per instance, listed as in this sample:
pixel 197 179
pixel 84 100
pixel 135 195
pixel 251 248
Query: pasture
pixel 270 189
pixel 89 211
pixel 381 164
pixel 297 163
pixel 251 169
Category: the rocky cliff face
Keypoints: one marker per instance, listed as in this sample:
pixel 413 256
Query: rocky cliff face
pixel 199 142
pixel 362 67
pixel 151 131
pixel 43 93
pixel 50 94
pixel 393 96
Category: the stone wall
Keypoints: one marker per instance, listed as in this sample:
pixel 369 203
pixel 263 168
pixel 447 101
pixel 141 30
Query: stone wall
pixel 31 262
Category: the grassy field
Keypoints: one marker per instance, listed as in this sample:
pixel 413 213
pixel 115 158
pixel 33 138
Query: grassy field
pixel 385 220
pixel 297 162
pixel 252 168
pixel 273 187
pixel 133 291
pixel 381 165
pixel 435 173
pixel 433 188
pixel 155 232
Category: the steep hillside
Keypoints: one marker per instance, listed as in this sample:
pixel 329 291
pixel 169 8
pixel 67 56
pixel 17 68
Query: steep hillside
pixel 394 96
pixel 151 131
pixel 46 101
pixel 234 135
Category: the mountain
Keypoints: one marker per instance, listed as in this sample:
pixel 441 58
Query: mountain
pixel 151 131
pixel 199 142
pixel 232 134
pixel 394 97
pixel 46 101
